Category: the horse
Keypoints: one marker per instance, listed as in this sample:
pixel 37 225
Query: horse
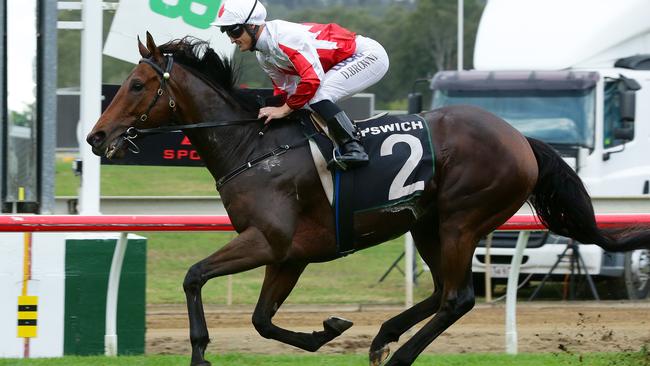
pixel 485 170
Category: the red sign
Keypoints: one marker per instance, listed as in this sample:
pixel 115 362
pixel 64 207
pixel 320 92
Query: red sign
pixel 169 149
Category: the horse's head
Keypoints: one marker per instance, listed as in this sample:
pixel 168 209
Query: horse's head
pixel 144 100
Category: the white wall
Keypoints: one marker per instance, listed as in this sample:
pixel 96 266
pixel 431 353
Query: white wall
pixel 48 283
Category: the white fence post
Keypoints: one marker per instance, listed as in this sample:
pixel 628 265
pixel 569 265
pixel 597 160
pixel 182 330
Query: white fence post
pixel 511 293
pixel 408 269
pixel 110 338
pixel 90 102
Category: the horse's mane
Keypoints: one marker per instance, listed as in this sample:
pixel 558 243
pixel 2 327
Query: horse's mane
pixel 197 55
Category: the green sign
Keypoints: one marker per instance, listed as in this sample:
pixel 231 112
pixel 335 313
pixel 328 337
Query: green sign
pixel 197 13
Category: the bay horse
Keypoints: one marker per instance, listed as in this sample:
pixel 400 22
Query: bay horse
pixel 485 170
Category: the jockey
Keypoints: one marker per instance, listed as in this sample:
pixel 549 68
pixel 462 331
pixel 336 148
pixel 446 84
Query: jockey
pixel 309 64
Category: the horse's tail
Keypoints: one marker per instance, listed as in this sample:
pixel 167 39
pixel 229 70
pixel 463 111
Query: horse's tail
pixel 564 206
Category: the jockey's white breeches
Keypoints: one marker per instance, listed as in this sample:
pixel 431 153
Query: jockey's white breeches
pixel 354 74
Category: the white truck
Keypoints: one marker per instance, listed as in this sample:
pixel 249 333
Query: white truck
pixel 575 74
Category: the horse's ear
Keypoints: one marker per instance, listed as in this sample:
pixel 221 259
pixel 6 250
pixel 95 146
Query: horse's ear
pixel 153 49
pixel 144 52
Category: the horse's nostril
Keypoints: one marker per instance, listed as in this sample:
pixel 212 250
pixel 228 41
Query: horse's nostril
pixel 96 139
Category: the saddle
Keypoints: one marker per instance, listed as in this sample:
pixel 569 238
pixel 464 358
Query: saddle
pixel 401 161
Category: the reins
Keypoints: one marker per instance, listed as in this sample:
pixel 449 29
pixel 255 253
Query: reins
pixel 133 132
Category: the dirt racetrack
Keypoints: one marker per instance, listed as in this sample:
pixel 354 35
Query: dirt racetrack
pixel 577 327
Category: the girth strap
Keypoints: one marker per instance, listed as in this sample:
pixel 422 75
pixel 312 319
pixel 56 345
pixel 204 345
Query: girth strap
pixel 344 211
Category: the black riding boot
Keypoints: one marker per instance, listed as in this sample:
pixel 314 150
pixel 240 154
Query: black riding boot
pixel 345 134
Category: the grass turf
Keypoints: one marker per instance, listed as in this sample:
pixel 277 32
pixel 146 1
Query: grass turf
pixel 641 358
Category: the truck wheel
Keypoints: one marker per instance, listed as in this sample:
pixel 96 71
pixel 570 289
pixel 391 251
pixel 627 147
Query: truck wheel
pixel 634 284
pixel 637 274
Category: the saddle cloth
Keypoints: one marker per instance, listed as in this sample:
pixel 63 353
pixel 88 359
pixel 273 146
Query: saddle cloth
pixel 401 161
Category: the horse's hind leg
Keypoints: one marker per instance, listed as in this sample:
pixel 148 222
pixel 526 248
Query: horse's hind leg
pixel 457 247
pixel 393 328
pixel 279 280
pixel 427 243
pixel 248 250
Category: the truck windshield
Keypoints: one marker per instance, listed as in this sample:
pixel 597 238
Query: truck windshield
pixel 565 117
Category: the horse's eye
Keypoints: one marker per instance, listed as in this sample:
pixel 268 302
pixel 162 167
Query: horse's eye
pixel 137 86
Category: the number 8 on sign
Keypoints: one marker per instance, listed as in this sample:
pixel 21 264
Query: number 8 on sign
pixel 197 13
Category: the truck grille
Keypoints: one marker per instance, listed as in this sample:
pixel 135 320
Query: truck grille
pixel 508 239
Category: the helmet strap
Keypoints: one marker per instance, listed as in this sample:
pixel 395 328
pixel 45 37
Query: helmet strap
pixel 252 31
pixel 251 12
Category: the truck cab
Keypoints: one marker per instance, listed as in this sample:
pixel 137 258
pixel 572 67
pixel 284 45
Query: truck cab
pixel 590 117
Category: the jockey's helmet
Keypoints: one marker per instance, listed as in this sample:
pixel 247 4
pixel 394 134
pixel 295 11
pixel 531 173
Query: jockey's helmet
pixel 233 12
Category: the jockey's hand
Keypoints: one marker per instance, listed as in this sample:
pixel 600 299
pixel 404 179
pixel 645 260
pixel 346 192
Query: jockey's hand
pixel 274 113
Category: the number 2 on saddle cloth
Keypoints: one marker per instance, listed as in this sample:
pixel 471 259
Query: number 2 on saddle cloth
pixel 401 161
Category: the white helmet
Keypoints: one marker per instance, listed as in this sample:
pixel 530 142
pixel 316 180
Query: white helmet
pixel 240 12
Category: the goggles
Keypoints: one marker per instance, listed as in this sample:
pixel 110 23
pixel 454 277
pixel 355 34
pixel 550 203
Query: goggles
pixel 233 31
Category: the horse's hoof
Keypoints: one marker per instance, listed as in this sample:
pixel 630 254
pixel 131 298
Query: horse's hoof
pixel 378 357
pixel 336 325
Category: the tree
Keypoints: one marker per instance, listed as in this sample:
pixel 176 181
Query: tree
pixel 424 41
pixel 420 40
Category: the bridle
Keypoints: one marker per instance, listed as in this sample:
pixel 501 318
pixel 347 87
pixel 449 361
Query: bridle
pixel 165 75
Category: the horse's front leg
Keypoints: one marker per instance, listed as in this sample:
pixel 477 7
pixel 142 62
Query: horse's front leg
pixel 248 250
pixel 279 280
